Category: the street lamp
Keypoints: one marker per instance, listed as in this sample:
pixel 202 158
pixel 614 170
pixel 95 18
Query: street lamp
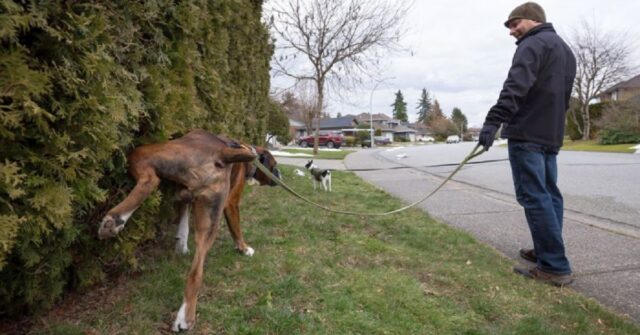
pixel 378 82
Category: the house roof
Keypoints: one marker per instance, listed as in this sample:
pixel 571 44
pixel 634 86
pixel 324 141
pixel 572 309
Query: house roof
pixel 403 129
pixel 376 117
pixel 631 83
pixel 339 122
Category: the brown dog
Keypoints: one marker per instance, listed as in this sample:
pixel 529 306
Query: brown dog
pixel 241 173
pixel 203 165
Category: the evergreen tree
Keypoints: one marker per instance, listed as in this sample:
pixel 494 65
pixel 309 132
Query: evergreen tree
pixel 424 106
pixel 81 84
pixel 459 119
pixel 400 108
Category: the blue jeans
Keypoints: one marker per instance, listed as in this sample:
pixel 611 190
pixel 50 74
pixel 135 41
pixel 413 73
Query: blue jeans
pixel 535 174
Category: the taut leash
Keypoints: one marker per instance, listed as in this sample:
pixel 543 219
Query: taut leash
pixel 474 153
pixel 425 166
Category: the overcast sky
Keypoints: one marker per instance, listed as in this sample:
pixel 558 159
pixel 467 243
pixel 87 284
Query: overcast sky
pixel 461 52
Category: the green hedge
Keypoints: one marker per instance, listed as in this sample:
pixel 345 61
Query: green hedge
pixel 83 82
pixel 595 114
pixel 614 136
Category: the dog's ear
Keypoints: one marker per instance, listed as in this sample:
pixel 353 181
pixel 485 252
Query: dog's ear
pixel 266 158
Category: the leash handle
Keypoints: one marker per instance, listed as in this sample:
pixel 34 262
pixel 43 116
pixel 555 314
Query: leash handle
pixel 474 153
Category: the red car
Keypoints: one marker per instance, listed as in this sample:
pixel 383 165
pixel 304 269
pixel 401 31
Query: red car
pixel 331 140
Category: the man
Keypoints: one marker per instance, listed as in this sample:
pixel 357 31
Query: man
pixel 532 107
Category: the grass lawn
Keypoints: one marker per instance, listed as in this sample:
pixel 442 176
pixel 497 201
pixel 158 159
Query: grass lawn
pixel 322 154
pixel 593 145
pixel 320 273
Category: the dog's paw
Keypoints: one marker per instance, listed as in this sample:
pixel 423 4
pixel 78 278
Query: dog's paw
pixel 181 322
pixel 110 226
pixel 182 247
pixel 249 252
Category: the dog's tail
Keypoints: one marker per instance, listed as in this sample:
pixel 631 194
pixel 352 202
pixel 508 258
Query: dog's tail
pixel 239 153
pixel 234 152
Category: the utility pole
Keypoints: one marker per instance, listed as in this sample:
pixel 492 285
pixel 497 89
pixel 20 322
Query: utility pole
pixel 378 82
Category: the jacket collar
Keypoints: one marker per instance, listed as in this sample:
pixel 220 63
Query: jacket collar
pixel 537 29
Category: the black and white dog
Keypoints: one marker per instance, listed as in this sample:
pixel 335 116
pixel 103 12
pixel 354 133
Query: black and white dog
pixel 319 175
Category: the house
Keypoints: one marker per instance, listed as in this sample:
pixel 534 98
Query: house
pixel 339 124
pixel 423 133
pixel 296 128
pixel 392 129
pixel 622 91
pixel 401 131
pixel 345 125
pixel 379 119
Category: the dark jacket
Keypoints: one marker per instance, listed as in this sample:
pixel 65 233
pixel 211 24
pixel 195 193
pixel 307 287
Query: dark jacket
pixel 535 97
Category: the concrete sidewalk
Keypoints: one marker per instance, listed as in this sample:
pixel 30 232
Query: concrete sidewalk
pixel 606 264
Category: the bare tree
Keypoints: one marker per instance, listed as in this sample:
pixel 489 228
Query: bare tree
pixel 307 99
pixel 602 60
pixel 339 41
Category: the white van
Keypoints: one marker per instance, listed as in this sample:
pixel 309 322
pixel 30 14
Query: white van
pixel 453 139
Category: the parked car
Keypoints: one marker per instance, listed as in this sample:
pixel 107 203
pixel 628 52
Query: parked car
pixel 328 139
pixel 378 140
pixel 381 140
pixel 427 139
pixel 453 139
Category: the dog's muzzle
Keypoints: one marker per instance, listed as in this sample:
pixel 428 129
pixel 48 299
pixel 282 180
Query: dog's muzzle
pixel 276 173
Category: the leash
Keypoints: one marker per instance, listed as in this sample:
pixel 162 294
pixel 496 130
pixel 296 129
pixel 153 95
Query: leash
pixel 426 166
pixel 474 153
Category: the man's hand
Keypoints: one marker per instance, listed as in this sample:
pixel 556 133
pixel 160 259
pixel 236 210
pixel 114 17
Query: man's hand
pixel 487 134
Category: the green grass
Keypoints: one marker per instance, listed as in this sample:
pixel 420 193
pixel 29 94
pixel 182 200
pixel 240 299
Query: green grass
pixel 322 154
pixel 320 273
pixel 593 145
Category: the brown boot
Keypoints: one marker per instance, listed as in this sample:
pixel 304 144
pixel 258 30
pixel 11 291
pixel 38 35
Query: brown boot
pixel 544 277
pixel 529 254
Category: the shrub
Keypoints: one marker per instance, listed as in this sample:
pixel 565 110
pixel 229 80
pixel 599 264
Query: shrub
pixel 349 141
pixel 611 136
pixel 574 119
pixel 620 122
pixel 83 82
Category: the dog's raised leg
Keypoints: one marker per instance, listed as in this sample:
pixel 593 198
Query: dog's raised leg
pixel 146 182
pixel 207 211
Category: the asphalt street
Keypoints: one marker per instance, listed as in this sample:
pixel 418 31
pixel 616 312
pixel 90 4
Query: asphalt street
pixel 602 207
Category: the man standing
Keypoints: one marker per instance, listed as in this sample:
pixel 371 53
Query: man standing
pixel 532 107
